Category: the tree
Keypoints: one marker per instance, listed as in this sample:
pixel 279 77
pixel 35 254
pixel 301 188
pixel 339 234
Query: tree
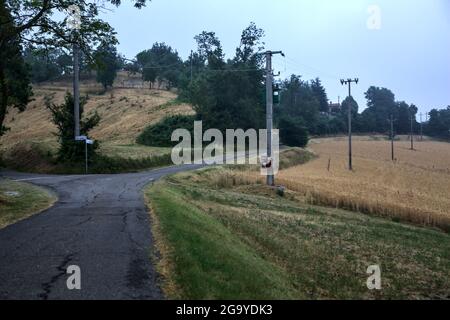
pixel 63 117
pixel 39 23
pixel 349 102
pixel 381 104
pixel 251 41
pixel 160 63
pixel 210 50
pixel 439 123
pixel 64 62
pixel 320 94
pixel 15 89
pixel 228 94
pixel 403 118
pixel 293 132
pixel 299 101
pixel 43 64
pixel 107 65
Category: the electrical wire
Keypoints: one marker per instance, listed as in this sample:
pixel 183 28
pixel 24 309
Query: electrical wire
pixel 301 66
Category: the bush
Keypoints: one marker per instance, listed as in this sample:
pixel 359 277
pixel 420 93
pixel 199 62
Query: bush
pixel 103 164
pixel 293 132
pixel 64 119
pixel 159 135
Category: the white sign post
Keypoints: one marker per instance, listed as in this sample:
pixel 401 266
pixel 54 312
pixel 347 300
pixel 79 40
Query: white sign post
pixel 86 142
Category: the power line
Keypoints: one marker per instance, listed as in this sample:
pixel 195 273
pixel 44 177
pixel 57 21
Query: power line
pixel 320 72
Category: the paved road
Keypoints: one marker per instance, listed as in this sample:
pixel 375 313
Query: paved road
pixel 100 224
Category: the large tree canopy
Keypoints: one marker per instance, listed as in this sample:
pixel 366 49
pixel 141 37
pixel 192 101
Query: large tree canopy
pixel 160 63
pixel 39 23
pixel 107 63
pixel 227 94
pixel 15 89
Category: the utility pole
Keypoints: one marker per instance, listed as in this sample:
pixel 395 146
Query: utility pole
pixel 74 23
pixel 412 132
pixel 349 83
pixel 192 55
pixel 269 108
pixel 392 137
pixel 86 155
pixel 76 88
pixel 421 127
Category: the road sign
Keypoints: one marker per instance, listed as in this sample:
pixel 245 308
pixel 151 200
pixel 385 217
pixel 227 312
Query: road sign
pixel 86 142
pixel 80 138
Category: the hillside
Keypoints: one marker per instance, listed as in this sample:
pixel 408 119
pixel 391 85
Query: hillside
pixel 124 113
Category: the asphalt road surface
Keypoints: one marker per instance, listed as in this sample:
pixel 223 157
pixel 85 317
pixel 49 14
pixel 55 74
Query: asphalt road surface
pixel 100 223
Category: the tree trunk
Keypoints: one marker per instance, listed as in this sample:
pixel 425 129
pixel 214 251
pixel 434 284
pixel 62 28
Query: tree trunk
pixel 3 98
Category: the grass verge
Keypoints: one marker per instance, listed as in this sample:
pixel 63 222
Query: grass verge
pixel 20 200
pixel 222 235
pixel 113 159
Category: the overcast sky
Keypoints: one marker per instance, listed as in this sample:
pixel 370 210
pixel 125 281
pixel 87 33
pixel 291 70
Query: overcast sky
pixel 409 53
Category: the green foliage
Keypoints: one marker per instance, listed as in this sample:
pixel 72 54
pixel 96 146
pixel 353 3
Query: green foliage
pixel 209 261
pixel 101 164
pixel 281 248
pixel 15 89
pixel 293 132
pixel 43 65
pixel 349 102
pixel 159 135
pixel 50 64
pixel 381 104
pixel 63 117
pixel 227 94
pixel 39 23
pixel 320 94
pixel 439 123
pixel 298 101
pixel 160 63
pixel 107 64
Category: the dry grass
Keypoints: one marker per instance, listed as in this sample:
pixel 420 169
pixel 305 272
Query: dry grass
pixel 415 188
pixel 222 237
pixel 124 114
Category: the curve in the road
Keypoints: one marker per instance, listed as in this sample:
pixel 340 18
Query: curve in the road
pixel 100 223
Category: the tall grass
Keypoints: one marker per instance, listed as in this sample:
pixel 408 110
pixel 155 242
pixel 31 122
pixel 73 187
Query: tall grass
pixel 395 211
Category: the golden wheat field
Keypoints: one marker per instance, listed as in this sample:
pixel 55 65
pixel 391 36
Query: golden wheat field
pixel 415 188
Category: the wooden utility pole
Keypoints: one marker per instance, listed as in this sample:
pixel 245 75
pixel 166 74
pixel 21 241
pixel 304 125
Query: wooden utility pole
pixel 412 132
pixel 349 83
pixel 192 55
pixel 76 88
pixel 421 127
pixel 269 108
pixel 392 137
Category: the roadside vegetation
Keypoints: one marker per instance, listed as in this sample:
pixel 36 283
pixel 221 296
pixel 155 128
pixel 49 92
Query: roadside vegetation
pixel 20 200
pixel 32 146
pixel 222 234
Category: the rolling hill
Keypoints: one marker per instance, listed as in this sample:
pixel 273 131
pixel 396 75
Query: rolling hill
pixel 124 112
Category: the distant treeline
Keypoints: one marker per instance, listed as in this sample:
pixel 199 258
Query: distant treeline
pixel 230 93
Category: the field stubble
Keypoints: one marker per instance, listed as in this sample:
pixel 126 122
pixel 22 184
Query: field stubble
pixel 415 188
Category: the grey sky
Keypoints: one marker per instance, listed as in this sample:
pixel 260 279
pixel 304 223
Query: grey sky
pixel 330 39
